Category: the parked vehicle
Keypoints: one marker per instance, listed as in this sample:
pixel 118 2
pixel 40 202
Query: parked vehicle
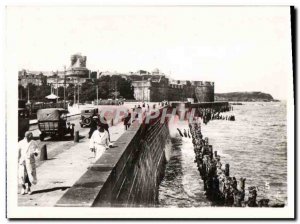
pixel 53 122
pixel 87 116
pixel 23 119
pixel 35 106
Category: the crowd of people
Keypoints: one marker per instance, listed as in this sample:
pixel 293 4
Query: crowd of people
pixel 99 129
pixel 138 111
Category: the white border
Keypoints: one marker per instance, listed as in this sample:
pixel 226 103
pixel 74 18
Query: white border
pixel 38 212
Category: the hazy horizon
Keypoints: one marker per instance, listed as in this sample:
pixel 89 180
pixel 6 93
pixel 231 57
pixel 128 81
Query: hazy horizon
pixel 239 48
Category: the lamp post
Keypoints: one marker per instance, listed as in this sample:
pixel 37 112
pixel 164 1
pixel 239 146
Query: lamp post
pixel 143 88
pixel 74 91
pixel 97 91
pixel 78 90
pixel 27 89
pixel 94 81
pixel 64 86
pixel 28 93
pixel 57 88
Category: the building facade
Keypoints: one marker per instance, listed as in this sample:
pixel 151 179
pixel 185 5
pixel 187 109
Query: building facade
pixel 160 88
pixel 205 91
pixel 78 67
pixel 77 73
pixel 26 77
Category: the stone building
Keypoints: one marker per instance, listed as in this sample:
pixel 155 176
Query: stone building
pixel 78 67
pixel 205 91
pixel 26 77
pixel 56 80
pixel 152 89
pixel 159 88
pixel 77 73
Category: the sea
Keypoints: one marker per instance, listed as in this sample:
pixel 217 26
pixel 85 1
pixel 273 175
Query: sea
pixel 255 146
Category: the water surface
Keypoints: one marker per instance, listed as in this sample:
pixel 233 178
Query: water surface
pixel 254 145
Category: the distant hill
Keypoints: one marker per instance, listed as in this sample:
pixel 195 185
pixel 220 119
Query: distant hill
pixel 244 96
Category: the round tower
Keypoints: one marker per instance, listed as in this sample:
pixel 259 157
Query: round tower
pixel 78 66
pixel 205 92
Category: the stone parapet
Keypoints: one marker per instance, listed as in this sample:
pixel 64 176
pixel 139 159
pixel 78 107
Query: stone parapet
pixel 127 174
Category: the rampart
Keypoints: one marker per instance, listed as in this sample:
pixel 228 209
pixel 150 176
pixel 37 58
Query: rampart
pixel 127 174
pixel 161 89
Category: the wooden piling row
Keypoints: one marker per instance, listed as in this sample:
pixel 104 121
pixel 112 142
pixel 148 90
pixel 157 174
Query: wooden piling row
pixel 220 187
pixel 208 114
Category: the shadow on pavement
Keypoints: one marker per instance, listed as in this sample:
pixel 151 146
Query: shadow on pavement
pixel 49 190
pixel 59 138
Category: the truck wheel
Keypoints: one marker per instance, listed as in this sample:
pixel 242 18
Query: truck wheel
pixel 42 137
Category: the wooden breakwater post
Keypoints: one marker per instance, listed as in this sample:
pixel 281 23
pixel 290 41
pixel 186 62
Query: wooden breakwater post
pixel 226 171
pixel 220 187
pixel 212 111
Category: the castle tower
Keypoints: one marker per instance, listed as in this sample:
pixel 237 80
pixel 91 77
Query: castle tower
pixel 78 67
pixel 205 92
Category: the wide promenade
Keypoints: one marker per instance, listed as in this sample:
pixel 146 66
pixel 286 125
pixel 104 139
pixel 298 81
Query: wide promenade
pixel 67 161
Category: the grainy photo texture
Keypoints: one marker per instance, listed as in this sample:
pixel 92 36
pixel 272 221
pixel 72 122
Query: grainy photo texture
pixel 188 109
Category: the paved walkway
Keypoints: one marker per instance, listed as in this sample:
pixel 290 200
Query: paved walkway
pixel 60 172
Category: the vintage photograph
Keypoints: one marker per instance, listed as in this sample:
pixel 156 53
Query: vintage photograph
pixel 150 112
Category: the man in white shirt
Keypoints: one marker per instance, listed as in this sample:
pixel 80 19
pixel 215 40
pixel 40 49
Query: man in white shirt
pixel 99 142
pixel 28 149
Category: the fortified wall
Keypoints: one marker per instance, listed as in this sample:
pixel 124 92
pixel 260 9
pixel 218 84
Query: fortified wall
pixel 204 92
pixel 156 90
pixel 127 174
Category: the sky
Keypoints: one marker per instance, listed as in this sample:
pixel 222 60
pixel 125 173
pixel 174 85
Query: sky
pixel 239 48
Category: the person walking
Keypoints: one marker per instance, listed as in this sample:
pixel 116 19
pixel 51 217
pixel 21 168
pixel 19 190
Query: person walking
pixel 28 149
pixel 99 142
pixel 94 125
pixel 127 120
pixel 139 112
pixel 103 123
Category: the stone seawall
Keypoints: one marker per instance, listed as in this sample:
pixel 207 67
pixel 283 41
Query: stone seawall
pixel 127 174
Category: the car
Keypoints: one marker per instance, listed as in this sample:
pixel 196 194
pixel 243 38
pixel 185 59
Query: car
pixel 87 115
pixel 53 122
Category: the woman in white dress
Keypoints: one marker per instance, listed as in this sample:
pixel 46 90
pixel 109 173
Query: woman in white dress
pixel 99 142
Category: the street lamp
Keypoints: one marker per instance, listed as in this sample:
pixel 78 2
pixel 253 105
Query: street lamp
pixel 27 81
pixel 28 93
pixel 74 90
pixel 57 87
pixel 143 88
pixel 97 91
pixel 78 91
pixel 64 86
